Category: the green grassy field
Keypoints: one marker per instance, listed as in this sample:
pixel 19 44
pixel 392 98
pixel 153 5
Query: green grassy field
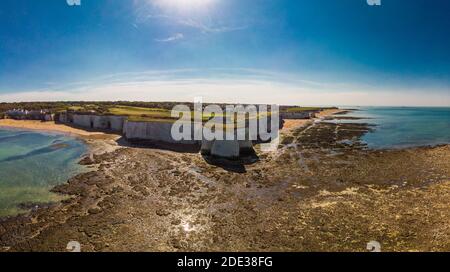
pixel 135 111
pixel 301 109
pixel 143 114
pixel 129 110
pixel 140 114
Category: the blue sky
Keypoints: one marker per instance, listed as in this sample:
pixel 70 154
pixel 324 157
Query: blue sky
pixel 321 52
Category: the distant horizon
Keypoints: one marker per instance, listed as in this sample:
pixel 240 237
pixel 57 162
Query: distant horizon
pixel 227 103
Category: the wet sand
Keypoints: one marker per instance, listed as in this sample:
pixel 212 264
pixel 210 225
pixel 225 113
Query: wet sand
pixel 322 191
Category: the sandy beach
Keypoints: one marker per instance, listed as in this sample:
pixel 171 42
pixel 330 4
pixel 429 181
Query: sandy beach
pixel 330 112
pixel 51 126
pixel 291 124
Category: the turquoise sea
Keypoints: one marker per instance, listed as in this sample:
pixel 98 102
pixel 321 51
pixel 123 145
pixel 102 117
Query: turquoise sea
pixel 399 127
pixel 31 163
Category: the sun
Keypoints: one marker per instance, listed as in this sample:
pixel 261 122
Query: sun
pixel 184 4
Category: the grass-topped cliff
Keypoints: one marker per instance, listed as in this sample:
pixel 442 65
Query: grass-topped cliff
pixel 135 111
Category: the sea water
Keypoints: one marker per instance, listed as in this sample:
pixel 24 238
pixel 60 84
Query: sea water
pixel 401 127
pixel 31 163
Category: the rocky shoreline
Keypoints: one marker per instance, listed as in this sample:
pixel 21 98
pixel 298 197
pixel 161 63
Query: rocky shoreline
pixel 322 191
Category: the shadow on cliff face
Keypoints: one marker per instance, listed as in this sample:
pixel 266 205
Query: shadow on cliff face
pixel 236 165
pixel 181 148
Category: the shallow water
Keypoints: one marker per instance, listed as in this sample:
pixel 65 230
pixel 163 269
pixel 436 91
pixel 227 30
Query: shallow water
pixel 399 127
pixel 31 163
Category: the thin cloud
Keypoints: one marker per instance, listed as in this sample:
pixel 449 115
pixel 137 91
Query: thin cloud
pixel 189 22
pixel 175 37
pixel 208 29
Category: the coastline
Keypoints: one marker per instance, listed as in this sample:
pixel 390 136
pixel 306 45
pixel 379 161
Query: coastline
pixel 292 124
pixel 97 142
pixel 322 191
pixel 50 126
